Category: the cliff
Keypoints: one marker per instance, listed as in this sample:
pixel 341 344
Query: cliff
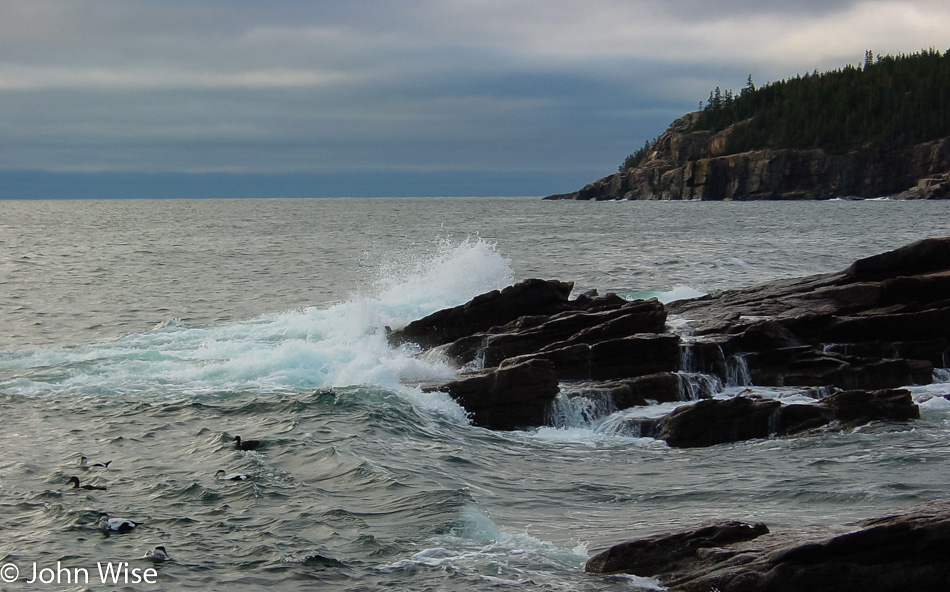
pixel 694 165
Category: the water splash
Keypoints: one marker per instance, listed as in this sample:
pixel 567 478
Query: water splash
pixel 312 348
pixel 737 371
pixel 695 386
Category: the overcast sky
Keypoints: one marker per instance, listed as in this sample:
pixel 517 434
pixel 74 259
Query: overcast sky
pixel 214 98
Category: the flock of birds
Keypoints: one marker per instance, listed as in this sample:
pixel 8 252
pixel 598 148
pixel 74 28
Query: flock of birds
pixel 108 525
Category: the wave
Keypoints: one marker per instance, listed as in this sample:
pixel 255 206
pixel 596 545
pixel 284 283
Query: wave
pixel 312 348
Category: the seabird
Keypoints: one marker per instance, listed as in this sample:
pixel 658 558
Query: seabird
pixel 233 476
pixel 246 444
pixel 78 485
pixel 120 525
pixel 158 554
pixel 85 463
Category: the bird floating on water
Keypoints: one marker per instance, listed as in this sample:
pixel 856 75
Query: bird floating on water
pixel 223 476
pixel 120 525
pixel 78 485
pixel 158 554
pixel 85 463
pixel 246 444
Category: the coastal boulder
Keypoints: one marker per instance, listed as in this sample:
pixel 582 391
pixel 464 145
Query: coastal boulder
pixel 625 357
pixel 530 297
pixel 906 550
pixel 532 333
pixel 861 407
pixel 658 554
pixel 509 398
pixel 717 421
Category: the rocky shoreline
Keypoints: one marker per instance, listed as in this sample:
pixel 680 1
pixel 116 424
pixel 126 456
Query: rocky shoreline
pixel 849 340
pixel 903 551
pixel 684 165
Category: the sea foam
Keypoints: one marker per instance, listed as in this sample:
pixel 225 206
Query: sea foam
pixel 339 345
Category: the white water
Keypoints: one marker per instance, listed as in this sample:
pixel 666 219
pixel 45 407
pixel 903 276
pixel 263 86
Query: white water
pixel 120 343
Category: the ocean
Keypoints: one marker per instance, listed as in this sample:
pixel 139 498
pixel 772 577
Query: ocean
pixel 150 333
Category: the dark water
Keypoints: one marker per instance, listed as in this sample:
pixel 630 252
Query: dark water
pixel 150 333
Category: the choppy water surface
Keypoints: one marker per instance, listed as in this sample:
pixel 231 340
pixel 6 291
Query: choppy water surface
pixel 150 333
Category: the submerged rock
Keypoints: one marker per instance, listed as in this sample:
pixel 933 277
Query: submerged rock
pixel 904 551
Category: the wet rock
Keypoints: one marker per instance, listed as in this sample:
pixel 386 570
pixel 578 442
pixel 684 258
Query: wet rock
pixel 882 323
pixel 718 421
pixel 530 297
pixel 638 355
pixel 661 387
pixel 801 418
pixel 861 407
pixel 658 554
pixel 920 257
pixel 806 366
pixel 903 551
pixel 528 334
pixel 513 397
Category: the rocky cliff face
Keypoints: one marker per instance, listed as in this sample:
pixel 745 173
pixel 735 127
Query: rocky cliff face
pixel 692 165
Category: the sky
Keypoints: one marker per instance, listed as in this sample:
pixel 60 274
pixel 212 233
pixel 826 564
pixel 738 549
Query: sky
pixel 321 98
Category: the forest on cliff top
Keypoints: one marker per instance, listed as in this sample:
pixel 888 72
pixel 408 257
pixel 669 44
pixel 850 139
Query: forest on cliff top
pixel 889 101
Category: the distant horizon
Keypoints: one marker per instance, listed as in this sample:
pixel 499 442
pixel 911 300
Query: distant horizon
pixel 310 98
pixel 42 186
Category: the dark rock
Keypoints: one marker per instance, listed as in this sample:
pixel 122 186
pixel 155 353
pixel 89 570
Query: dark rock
pixel 904 551
pixel 924 256
pixel 799 418
pixel 806 366
pixel 765 335
pixel 795 366
pixel 626 357
pixel 718 421
pixel 637 355
pixel 572 328
pixel 530 297
pixel 662 387
pixel 881 324
pixel 860 407
pixel 662 553
pixel 509 398
pixel 592 301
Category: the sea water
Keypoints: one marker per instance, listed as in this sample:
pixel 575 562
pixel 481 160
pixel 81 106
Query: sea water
pixel 150 333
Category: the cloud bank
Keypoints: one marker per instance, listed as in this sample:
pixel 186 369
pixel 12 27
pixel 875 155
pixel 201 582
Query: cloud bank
pixel 419 97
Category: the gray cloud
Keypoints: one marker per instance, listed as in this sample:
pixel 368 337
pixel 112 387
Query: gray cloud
pixel 413 87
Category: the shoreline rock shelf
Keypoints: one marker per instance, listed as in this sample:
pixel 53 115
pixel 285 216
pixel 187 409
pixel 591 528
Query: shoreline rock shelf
pixel 850 339
pixel 904 551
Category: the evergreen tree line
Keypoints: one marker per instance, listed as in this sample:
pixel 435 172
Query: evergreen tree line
pixel 890 101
